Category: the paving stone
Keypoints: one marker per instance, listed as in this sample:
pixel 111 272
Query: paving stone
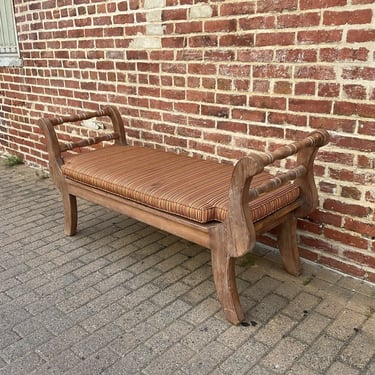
pixel 97 340
pixel 321 355
pixel 25 345
pixel 76 301
pixel 299 369
pixel 117 266
pixel 97 250
pixel 202 311
pixel 131 338
pixel 168 278
pixel 94 364
pixel 207 359
pixel 68 257
pixel 91 267
pixel 206 332
pixel 327 275
pixel 361 303
pixel 200 257
pixel 350 283
pixel 70 267
pixel 171 239
pixel 103 300
pixel 23 365
pixel 54 320
pixel 340 368
pixel 168 314
pixel 361 349
pixel 3 364
pixel 345 324
pixel 84 283
pixel 57 344
pixel 261 288
pixel 133 299
pixel 46 257
pixel 267 308
pixel 55 284
pixel 318 287
pixel 171 262
pixel 302 304
pixel 82 313
pixel 258 370
pixel 127 241
pixel 20 256
pixel 199 292
pixel 170 361
pixel 8 338
pixel 27 287
pixel 176 247
pixel 236 336
pixel 121 253
pixel 11 315
pixel 252 351
pixel 133 362
pixel 288 290
pixel 198 275
pixel 142 279
pixel 8 285
pixel 168 336
pixel 136 315
pixel 169 294
pixel 102 317
pixel 147 243
pixel 330 306
pixel 310 327
pixel 368 327
pixel 274 330
pixel 283 355
pixel 145 263
pixel 234 364
pixel 371 367
pixel 14 271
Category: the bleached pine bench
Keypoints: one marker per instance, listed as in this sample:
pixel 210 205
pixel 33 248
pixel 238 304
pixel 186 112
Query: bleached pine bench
pixel 218 206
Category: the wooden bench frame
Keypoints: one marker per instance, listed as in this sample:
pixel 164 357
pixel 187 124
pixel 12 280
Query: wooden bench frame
pixel 227 240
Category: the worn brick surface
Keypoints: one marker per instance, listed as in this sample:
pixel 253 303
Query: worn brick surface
pixel 124 298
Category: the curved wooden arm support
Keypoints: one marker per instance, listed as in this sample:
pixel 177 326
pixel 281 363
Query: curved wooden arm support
pixel 238 229
pixel 55 149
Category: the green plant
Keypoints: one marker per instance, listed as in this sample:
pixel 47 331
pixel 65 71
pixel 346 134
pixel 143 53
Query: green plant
pixel 247 261
pixel 370 311
pixel 308 279
pixel 12 160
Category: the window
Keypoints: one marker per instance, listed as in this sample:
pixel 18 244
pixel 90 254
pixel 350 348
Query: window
pixel 9 52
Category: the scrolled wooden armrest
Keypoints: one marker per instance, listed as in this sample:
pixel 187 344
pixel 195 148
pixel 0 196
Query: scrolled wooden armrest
pixel 88 141
pixel 316 139
pixel 78 117
pixel 277 181
pixel 54 147
pixel 239 228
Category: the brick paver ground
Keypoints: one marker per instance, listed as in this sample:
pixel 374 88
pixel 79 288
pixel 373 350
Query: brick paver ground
pixel 121 297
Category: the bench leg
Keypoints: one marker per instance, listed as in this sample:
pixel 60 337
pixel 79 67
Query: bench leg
pixel 70 214
pixel 226 286
pixel 287 241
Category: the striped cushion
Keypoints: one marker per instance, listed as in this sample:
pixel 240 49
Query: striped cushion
pixel 188 187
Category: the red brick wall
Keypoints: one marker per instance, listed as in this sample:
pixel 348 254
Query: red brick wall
pixel 214 78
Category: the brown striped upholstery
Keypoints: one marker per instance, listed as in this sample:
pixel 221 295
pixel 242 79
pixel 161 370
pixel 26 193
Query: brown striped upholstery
pixel 188 187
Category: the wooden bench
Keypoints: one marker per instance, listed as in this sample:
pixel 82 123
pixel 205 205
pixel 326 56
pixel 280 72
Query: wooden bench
pixel 218 206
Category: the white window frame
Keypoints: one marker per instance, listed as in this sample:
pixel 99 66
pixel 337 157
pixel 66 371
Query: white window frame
pixel 9 50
